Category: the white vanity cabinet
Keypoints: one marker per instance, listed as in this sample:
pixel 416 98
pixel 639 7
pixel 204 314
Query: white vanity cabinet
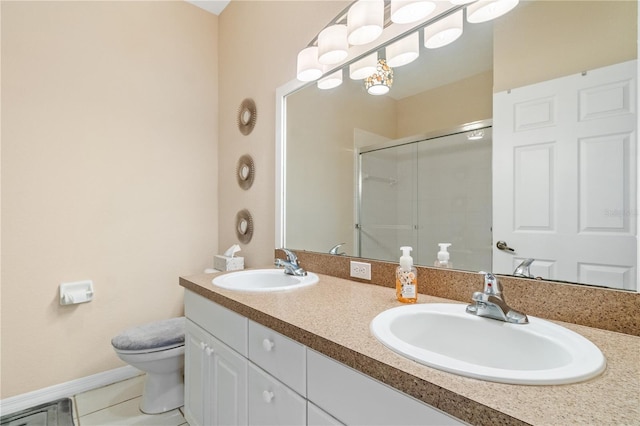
pixel 277 378
pixel 216 370
pixel 239 372
pixel 354 398
pixel 273 403
pixel 316 416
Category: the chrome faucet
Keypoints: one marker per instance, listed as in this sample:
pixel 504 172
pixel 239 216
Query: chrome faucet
pixel 290 265
pixel 490 303
pixel 522 270
pixel 334 250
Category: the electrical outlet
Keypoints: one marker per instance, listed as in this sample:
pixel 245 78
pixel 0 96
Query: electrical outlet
pixel 360 270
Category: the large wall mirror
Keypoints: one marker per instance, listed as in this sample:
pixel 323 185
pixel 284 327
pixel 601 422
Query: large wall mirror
pixel 441 159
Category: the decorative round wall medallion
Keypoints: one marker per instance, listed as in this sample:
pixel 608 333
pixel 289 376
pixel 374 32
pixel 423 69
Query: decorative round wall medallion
pixel 245 172
pixel 244 226
pixel 247 116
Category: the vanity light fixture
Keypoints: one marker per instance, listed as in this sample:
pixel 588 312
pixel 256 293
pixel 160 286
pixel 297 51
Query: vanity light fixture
pixel 403 51
pixel 380 82
pixel 332 80
pixel 443 32
pixel 475 135
pixel 363 68
pixel 408 11
pixel 332 44
pixel 365 21
pixel 309 69
pixel 486 10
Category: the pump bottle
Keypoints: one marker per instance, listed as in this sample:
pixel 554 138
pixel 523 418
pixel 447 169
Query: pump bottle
pixel 443 257
pixel 406 278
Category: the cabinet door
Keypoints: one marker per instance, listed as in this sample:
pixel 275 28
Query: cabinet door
pixel 195 369
pixel 318 417
pixel 272 402
pixel 215 381
pixel 227 381
pixel 354 398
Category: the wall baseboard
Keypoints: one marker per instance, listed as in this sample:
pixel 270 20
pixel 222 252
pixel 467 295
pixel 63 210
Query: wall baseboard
pixel 66 390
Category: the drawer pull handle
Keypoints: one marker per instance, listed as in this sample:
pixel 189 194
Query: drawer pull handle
pixel 267 396
pixel 203 345
pixel 268 345
pixel 209 351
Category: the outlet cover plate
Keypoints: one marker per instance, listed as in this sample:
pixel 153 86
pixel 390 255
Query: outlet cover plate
pixel 360 270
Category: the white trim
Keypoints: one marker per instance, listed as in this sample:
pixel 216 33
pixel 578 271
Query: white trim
pixel 281 127
pixel 66 390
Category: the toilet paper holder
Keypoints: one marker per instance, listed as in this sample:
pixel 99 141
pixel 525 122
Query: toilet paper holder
pixel 76 292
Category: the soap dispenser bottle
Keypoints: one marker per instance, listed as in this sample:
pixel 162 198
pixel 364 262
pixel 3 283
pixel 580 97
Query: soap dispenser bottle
pixel 443 257
pixel 406 278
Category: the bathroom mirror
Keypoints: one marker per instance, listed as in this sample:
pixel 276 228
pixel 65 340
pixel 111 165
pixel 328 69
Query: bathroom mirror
pixel 326 130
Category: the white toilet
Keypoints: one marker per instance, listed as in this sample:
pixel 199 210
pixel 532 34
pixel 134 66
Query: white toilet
pixel 157 349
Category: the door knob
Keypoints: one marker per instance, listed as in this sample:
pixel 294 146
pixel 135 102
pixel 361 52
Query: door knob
pixel 267 345
pixel 267 396
pixel 504 247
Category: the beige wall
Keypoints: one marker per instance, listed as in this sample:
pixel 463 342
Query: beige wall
pixel 259 42
pixel 543 40
pixel 447 106
pixel 109 173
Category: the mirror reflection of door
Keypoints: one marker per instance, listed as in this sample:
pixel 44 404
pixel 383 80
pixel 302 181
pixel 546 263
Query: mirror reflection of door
pixel 565 173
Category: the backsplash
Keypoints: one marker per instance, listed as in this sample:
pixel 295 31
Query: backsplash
pixel 603 308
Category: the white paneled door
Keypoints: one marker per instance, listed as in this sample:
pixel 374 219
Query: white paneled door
pixel 565 177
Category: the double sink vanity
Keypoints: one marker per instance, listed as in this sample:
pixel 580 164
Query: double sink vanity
pixel 265 347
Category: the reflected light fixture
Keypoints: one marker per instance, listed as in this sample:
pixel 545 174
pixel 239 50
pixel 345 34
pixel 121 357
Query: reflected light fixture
pixel 308 68
pixel 403 51
pixel 364 67
pixel 443 32
pixel 486 10
pixel 381 81
pixel 475 135
pixel 365 21
pixel 332 44
pixel 332 80
pixel 408 11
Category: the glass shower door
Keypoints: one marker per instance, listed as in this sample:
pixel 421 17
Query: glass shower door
pixel 387 202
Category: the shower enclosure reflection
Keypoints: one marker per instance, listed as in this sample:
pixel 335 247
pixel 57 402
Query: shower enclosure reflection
pixel 434 190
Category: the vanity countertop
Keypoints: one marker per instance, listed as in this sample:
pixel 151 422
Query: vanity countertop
pixel 333 318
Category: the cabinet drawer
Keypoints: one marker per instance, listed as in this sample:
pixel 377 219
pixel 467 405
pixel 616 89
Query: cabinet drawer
pixel 226 325
pixel 273 403
pixel 354 398
pixel 280 356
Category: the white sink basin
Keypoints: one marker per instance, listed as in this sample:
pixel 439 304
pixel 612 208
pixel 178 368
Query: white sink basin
pixel 445 337
pixel 262 280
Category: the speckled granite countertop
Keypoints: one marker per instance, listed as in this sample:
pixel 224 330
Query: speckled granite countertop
pixel 333 318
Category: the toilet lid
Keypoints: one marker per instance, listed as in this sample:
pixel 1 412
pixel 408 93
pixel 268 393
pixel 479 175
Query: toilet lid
pixel 155 335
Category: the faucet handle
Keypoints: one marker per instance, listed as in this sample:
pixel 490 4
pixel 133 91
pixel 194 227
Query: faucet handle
pixel 334 249
pixel 290 255
pixel 491 285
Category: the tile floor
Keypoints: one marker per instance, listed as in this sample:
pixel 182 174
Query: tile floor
pixel 117 404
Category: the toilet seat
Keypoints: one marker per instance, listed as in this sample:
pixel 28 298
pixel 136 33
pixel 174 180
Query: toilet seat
pixel 157 336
